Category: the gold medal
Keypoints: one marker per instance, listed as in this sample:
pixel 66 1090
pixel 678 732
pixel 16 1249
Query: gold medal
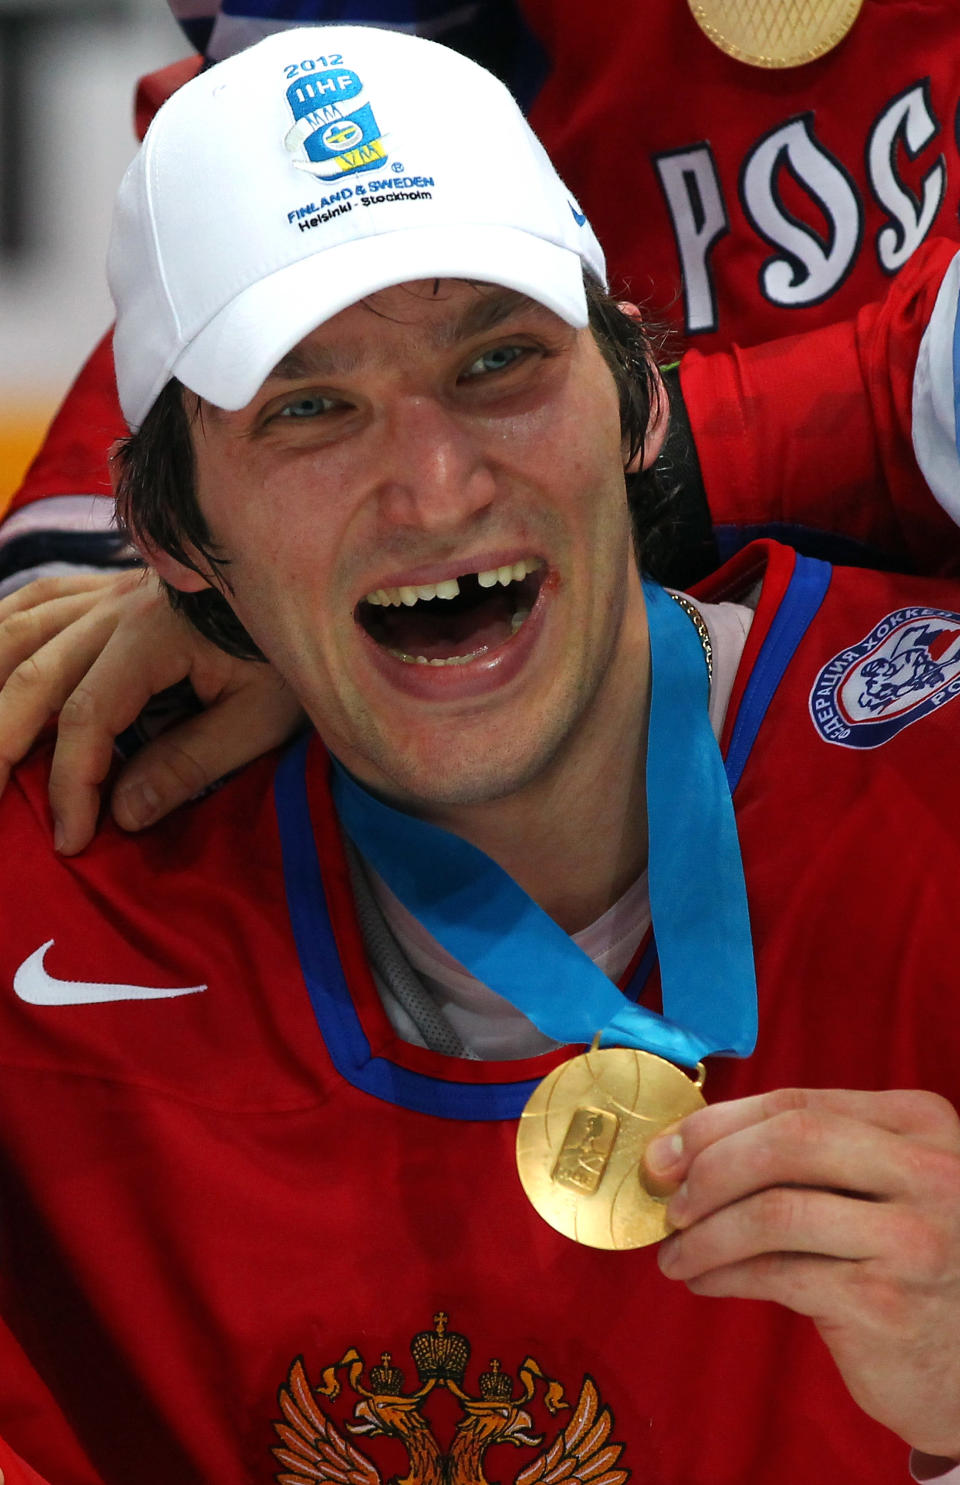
pixel 775 33
pixel 581 1138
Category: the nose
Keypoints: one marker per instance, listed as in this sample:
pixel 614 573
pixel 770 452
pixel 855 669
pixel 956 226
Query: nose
pixel 436 470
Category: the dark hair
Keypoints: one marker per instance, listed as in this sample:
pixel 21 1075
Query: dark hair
pixel 631 348
pixel 156 477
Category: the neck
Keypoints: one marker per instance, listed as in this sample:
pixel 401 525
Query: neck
pixel 575 838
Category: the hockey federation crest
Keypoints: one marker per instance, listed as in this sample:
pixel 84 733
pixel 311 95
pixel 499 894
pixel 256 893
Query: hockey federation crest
pixel 907 667
pixel 335 132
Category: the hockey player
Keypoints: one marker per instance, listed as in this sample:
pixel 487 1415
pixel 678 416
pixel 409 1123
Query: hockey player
pixel 263 1067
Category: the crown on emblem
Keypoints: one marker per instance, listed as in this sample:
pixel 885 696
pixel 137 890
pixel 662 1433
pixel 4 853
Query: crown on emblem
pixel 438 1356
pixel 496 1385
pixel 386 1380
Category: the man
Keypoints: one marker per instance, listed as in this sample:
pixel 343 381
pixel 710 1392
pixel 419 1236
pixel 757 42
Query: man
pixel 261 1215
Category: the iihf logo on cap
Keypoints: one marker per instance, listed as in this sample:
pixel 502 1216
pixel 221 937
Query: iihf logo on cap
pixel 335 132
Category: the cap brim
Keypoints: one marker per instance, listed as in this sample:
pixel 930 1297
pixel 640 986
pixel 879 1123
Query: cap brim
pixel 231 357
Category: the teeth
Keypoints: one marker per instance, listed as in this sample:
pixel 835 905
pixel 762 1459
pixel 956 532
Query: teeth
pixel 422 659
pixel 520 617
pixel 458 659
pixel 507 575
pixel 449 588
pixel 394 597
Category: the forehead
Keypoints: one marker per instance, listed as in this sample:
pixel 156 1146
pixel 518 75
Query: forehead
pixel 439 313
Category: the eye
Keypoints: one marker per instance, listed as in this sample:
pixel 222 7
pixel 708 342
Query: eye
pixel 310 405
pixel 498 358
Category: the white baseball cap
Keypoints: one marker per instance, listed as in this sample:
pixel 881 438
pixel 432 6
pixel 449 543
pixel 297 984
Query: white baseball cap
pixel 313 169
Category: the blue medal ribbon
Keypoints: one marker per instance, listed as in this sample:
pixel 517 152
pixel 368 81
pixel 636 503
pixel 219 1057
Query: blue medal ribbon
pixel 698 899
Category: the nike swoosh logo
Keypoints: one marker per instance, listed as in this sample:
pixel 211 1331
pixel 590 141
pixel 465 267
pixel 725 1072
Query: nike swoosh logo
pixel 578 216
pixel 37 986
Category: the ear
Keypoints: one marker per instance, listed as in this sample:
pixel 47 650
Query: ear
pixel 659 418
pixel 177 574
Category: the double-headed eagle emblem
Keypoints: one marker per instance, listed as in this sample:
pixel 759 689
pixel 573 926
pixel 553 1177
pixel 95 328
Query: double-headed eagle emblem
pixel 314 1451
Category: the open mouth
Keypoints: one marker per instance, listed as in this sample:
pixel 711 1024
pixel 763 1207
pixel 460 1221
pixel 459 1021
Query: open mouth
pixel 454 621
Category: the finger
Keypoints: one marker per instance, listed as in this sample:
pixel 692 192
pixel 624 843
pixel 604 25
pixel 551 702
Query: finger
pixel 807 1148
pixel 25 631
pixel 107 699
pixel 49 589
pixel 783 1219
pixel 39 685
pixel 196 752
pixel 81 761
pixel 924 1116
pixel 806 1283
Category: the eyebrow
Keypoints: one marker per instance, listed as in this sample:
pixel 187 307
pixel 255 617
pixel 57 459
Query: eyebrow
pixel 487 311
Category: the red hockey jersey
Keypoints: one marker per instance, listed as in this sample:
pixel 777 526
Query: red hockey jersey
pixel 248 1234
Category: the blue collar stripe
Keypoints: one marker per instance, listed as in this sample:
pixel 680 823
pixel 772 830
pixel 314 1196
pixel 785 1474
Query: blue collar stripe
pixel 798 607
pixel 329 993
